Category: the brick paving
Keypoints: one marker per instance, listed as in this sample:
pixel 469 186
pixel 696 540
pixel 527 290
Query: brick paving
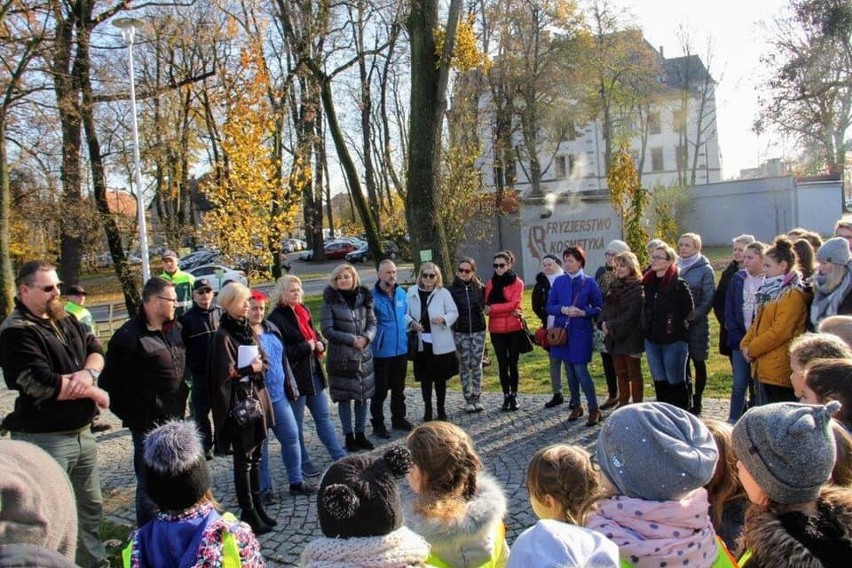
pixel 505 441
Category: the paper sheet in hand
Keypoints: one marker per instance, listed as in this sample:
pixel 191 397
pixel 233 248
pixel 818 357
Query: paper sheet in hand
pixel 246 354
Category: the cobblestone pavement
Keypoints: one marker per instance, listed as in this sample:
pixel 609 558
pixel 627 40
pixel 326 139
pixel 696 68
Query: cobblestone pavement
pixel 505 440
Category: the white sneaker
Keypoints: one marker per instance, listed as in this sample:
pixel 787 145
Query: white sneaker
pixel 477 406
pixel 469 407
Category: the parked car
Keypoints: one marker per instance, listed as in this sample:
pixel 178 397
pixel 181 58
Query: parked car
pixel 219 275
pixel 338 249
pixel 362 253
pixel 199 258
pixel 293 245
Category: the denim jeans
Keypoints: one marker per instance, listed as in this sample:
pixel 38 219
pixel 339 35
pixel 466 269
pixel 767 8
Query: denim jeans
pixel 145 508
pixel 579 377
pixel 344 410
pixel 555 375
pixel 318 404
pixel 667 361
pixel 742 376
pixel 287 432
pixel 77 453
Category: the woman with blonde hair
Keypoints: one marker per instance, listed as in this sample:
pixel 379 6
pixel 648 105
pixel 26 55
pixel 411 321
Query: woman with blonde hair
pixel 349 324
pixel 304 348
pixel 231 385
pixel 433 313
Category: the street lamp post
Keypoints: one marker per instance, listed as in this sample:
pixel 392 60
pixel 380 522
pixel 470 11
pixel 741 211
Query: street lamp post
pixel 128 28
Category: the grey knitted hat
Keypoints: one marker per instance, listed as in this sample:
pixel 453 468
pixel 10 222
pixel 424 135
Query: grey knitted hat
pixel 37 503
pixel 176 470
pixel 835 251
pixel 617 246
pixel 787 448
pixel 656 451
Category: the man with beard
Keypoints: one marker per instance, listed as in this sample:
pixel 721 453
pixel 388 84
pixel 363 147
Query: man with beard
pixel 144 376
pixel 54 364
pixel 390 350
pixel 198 326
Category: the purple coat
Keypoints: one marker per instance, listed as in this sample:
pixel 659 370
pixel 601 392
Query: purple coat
pixel 582 292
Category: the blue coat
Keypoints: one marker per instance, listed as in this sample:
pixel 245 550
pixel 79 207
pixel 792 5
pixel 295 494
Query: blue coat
pixel 582 292
pixel 391 323
pixel 734 319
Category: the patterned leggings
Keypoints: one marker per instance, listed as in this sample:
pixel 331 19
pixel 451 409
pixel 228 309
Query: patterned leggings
pixel 470 347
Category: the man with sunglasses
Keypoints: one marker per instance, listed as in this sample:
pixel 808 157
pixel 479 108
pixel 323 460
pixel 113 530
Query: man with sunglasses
pixel 198 326
pixel 390 350
pixel 54 363
pixel 144 375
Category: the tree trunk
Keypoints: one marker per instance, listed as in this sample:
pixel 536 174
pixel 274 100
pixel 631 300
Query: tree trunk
pixel 429 79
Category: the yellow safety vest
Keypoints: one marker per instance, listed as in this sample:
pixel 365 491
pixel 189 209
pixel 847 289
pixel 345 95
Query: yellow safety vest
pixel 499 540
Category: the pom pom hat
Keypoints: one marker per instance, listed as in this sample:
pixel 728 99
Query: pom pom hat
pixel 359 497
pixel 656 451
pixel 788 449
pixel 177 474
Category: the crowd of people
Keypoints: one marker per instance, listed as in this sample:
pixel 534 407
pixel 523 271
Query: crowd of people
pixel 768 487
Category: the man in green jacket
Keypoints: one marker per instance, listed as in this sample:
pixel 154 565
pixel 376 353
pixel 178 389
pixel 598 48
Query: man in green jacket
pixel 75 299
pixel 183 281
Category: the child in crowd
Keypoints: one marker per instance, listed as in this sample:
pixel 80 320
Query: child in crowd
pixel 656 458
pixel 458 508
pixel 830 379
pixel 360 514
pixel 786 455
pixel 810 347
pixel 841 326
pixel 841 475
pixel 561 481
pixel 188 531
pixel 728 501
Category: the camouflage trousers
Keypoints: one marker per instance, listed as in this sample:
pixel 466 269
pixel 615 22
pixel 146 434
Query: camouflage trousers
pixel 470 347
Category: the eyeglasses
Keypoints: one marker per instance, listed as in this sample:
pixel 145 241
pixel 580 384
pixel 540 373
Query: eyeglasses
pixel 465 270
pixel 428 275
pixel 48 289
pixel 657 257
pixel 171 300
pixel 499 265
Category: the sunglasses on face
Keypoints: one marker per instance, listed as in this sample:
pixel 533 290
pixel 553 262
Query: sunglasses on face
pixel 49 288
pixel 465 270
pixel 499 265
pixel 428 275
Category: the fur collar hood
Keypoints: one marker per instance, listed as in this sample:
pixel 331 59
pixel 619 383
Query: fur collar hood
pixel 459 541
pixel 797 541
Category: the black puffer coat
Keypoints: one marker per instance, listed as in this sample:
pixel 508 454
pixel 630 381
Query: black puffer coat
pixel 350 370
pixel 622 313
pixel 304 362
pixel 470 300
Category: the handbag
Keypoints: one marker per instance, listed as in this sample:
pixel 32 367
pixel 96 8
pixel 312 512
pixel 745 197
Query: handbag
pixel 247 410
pixel 557 336
pixel 527 343
pixel 541 338
pixel 413 345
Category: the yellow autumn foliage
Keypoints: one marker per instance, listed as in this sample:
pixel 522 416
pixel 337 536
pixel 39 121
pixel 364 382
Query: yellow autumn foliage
pixel 252 206
pixel 466 52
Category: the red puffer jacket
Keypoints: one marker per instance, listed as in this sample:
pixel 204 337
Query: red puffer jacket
pixel 502 318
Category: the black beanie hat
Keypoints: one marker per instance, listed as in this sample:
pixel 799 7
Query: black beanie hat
pixel 177 474
pixel 358 495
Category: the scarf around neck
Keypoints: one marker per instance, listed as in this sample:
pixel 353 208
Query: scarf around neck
pixel 399 549
pixel 659 533
pixel 686 263
pixel 240 329
pixel 498 282
pixel 772 288
pixel 827 299
pixel 303 318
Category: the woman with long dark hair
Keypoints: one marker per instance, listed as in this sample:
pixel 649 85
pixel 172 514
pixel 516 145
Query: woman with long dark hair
pixel 468 293
pixel 232 384
pixel 503 295
pixel 551 269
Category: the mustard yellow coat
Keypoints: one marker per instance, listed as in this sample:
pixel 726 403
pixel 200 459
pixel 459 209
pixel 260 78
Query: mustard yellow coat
pixel 768 339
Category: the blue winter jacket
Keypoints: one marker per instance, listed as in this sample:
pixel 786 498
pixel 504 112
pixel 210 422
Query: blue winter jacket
pixel 391 323
pixel 581 292
pixel 734 319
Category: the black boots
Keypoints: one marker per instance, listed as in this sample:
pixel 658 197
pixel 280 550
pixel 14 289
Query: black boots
pixel 264 516
pixel 513 401
pixel 358 441
pixel 253 519
pixel 351 446
pixel 506 402
pixel 555 401
pixel 696 405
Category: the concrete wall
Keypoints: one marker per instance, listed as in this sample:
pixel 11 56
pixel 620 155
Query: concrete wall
pixel 762 207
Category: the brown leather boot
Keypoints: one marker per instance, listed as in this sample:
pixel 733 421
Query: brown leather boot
pixel 637 390
pixel 594 418
pixel 576 413
pixel 623 392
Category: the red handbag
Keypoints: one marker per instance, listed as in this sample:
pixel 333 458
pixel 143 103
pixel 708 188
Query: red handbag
pixel 541 338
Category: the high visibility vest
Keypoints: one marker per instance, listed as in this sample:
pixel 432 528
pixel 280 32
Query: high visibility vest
pixel 83 315
pixel 183 282
pixel 230 549
pixel 724 559
pixel 499 540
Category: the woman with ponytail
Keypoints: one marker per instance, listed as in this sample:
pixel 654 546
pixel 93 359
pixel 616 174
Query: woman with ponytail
pixel 782 310
pixel 457 508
